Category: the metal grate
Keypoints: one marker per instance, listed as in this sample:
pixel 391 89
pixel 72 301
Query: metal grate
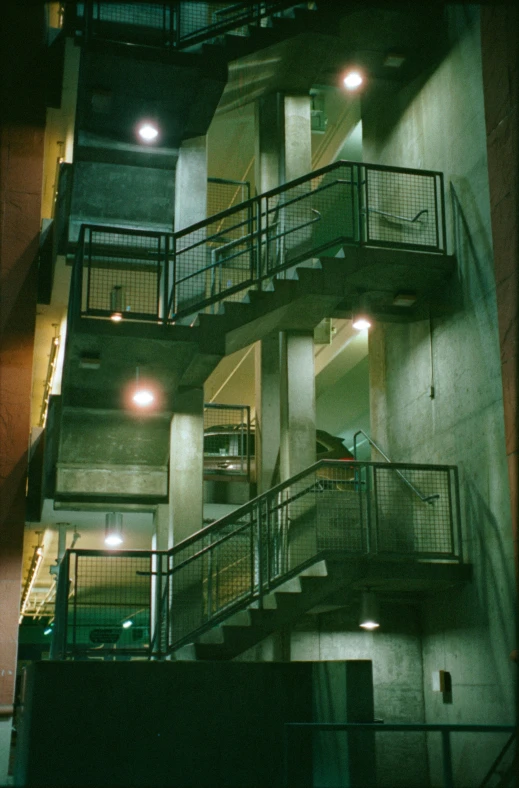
pixel 109 590
pixel 228 442
pixel 124 272
pixel 409 524
pixel 168 276
pixel 401 208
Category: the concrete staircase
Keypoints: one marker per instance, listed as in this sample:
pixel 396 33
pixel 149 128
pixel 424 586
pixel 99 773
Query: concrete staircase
pixel 282 606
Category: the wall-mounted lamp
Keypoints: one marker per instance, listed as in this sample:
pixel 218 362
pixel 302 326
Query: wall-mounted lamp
pixel 114 529
pixel 369 611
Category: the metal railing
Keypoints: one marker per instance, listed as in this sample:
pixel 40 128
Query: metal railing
pixel 365 732
pixel 228 442
pixel 166 276
pixel 334 508
pixel 178 25
pixel 425 498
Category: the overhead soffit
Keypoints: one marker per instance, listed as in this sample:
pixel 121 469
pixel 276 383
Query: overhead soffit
pixel 361 36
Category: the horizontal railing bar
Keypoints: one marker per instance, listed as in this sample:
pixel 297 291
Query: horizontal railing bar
pixel 283 485
pixel 209 547
pixel 403 726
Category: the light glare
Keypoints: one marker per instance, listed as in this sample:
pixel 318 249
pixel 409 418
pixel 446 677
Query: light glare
pixel 127 624
pixel 148 133
pixel 143 398
pixel 361 323
pixel 352 80
pixel 113 540
pixel 116 317
pixel 369 625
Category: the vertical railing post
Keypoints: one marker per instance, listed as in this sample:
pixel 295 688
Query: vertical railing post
pixel 447 759
pixel 457 509
pixel 176 14
pixel 442 214
pixel 156 574
pixel 259 551
pixel 88 230
pixel 171 314
pixel 58 649
pixel 209 581
pixel 259 229
pixel 371 543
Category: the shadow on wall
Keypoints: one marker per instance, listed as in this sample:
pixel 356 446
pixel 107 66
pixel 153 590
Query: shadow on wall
pixel 475 275
pixel 494 572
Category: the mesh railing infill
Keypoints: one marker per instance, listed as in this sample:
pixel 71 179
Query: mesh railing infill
pixel 109 590
pixel 228 442
pixel 341 508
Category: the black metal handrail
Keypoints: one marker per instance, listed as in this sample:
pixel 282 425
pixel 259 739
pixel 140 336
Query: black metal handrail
pixel 176 25
pixel 244 246
pixel 333 508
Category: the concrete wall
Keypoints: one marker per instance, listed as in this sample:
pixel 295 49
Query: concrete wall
pixel 438 123
pixel 395 651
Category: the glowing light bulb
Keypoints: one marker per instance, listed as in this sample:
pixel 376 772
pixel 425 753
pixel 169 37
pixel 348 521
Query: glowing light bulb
pixel 113 540
pixel 369 625
pixel 127 624
pixel 352 80
pixel 148 133
pixel 143 398
pixel 361 323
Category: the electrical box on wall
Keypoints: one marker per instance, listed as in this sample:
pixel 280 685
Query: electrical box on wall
pixel 441 681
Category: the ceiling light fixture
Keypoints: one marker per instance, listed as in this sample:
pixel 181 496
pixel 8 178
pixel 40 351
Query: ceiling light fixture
pixel 148 132
pixel 353 80
pixel 142 396
pixel 361 322
pixel 369 611
pixel 113 529
pixel 127 624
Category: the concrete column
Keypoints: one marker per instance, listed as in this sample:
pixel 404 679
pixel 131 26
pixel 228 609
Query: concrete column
pixel 298 136
pixel 267 379
pixel 186 465
pixel 162 538
pixel 269 158
pixel 191 183
pixel 190 208
pixel 297 450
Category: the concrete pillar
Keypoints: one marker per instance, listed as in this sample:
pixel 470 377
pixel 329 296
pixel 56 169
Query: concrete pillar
pixel 190 208
pixel 298 136
pixel 162 538
pixel 186 465
pixel 269 142
pixel 191 183
pixel 267 379
pixel 297 449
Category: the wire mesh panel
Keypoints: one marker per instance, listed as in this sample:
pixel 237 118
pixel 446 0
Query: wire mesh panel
pixel 209 575
pixel 109 613
pixel 123 273
pixel 228 442
pixel 213 261
pixel 303 219
pixel 414 511
pixel 223 194
pixel 401 208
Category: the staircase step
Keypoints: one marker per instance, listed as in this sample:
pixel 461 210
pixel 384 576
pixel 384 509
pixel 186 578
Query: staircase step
pixel 319 569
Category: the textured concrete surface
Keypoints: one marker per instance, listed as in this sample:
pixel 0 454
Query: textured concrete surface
pixel 470 634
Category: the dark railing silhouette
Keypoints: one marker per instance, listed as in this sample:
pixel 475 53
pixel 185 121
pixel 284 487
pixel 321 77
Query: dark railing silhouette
pixel 157 276
pixel 173 25
pixel 333 509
